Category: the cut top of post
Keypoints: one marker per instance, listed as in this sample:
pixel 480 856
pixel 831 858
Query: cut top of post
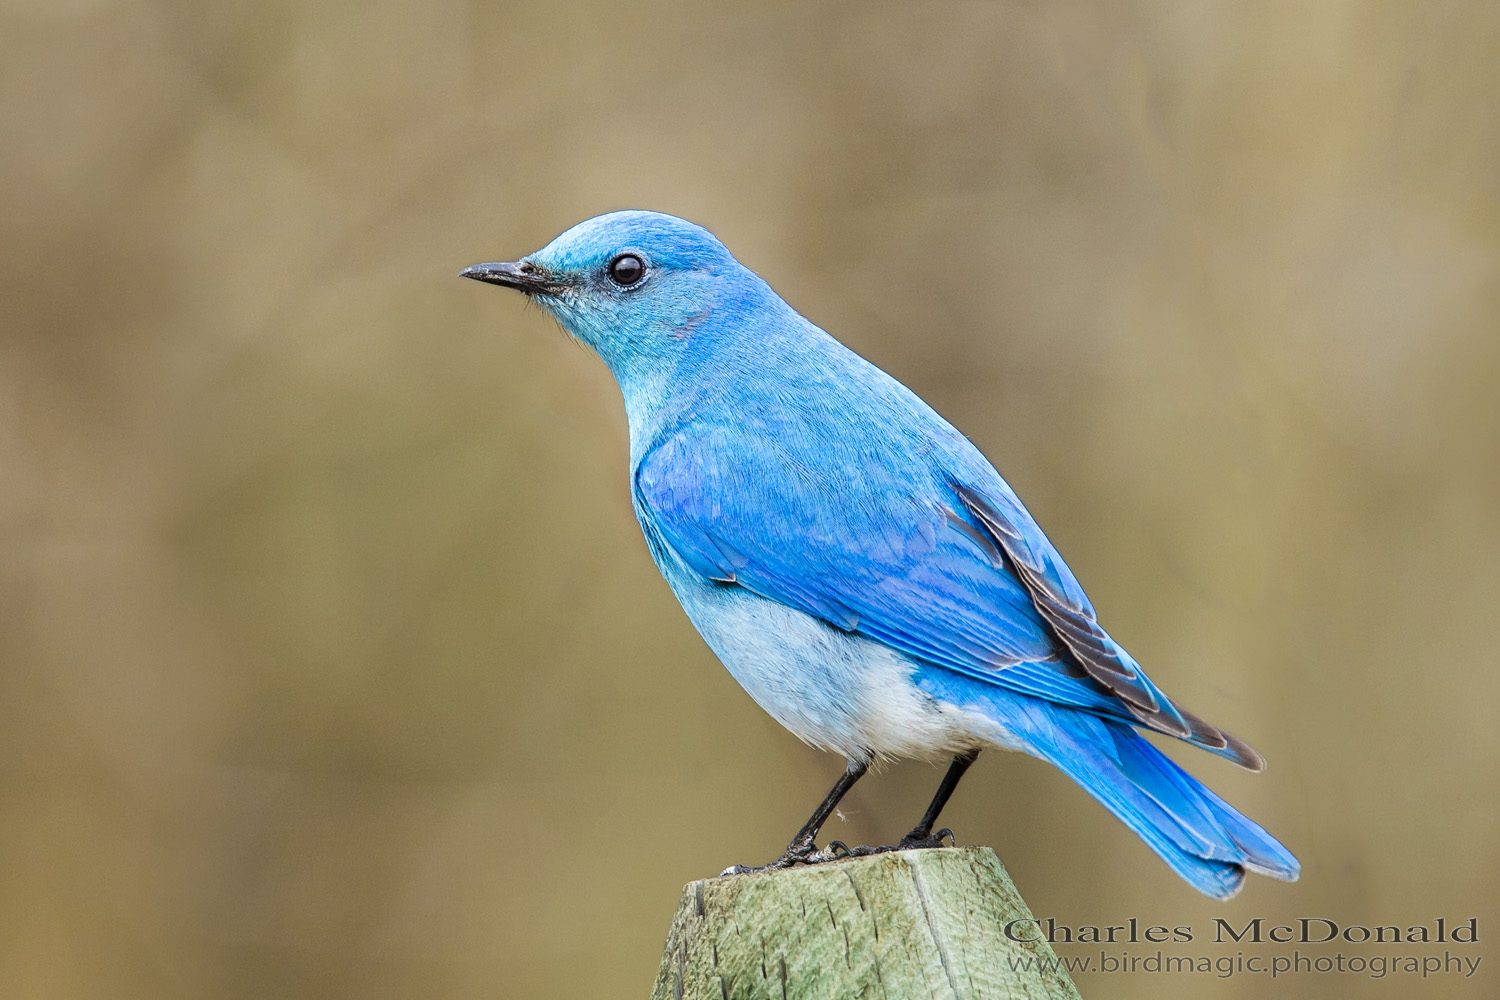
pixel 925 923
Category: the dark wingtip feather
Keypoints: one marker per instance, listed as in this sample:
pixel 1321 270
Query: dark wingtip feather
pixel 1245 755
pixel 1207 736
pixel 1226 745
pixel 1163 719
pixel 1093 653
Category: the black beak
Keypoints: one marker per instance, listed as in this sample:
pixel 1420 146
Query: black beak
pixel 523 276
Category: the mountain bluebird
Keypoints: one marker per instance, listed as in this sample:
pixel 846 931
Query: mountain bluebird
pixel 860 568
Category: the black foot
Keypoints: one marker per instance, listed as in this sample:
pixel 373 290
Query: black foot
pixel 915 841
pixel 911 842
pixel 800 853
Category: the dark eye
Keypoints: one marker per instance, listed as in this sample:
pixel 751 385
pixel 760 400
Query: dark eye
pixel 627 269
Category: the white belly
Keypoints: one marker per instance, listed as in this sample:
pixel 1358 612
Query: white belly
pixel 832 689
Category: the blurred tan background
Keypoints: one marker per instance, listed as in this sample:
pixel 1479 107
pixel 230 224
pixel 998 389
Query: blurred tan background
pixel 332 663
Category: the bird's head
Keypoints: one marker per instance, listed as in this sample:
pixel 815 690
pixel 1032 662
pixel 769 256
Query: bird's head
pixel 637 287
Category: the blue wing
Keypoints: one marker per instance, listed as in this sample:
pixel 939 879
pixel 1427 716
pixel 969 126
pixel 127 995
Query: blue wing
pixel 945 566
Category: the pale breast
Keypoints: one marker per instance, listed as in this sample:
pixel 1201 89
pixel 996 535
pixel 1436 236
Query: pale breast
pixel 832 689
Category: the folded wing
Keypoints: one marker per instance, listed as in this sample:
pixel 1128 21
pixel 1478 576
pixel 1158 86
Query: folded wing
pixel 949 569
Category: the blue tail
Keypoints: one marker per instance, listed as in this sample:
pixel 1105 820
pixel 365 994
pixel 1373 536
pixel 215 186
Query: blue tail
pixel 1202 837
pixel 1199 835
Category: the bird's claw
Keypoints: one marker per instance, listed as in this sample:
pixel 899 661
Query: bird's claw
pixel 913 842
pixel 799 852
pixel 808 853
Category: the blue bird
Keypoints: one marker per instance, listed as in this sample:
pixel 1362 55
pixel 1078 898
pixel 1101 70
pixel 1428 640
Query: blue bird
pixel 859 567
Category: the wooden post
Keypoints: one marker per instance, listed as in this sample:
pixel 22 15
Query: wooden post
pixel 900 925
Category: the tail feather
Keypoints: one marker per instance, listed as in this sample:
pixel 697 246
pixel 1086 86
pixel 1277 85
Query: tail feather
pixel 1199 835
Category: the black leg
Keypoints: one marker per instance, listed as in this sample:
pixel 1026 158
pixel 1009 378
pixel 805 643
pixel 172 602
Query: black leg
pixel 921 835
pixel 803 849
pixel 803 843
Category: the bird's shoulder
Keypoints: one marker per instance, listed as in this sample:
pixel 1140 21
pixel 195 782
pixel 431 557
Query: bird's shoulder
pixel 808 466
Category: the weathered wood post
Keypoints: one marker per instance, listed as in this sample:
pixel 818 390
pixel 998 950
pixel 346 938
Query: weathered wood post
pixel 906 924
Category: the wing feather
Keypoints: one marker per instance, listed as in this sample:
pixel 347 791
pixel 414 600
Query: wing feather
pixel 961 578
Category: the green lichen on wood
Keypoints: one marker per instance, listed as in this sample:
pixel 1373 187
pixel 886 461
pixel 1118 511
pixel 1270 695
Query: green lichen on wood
pixel 906 924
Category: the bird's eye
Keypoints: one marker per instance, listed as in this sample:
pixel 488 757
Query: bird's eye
pixel 627 269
